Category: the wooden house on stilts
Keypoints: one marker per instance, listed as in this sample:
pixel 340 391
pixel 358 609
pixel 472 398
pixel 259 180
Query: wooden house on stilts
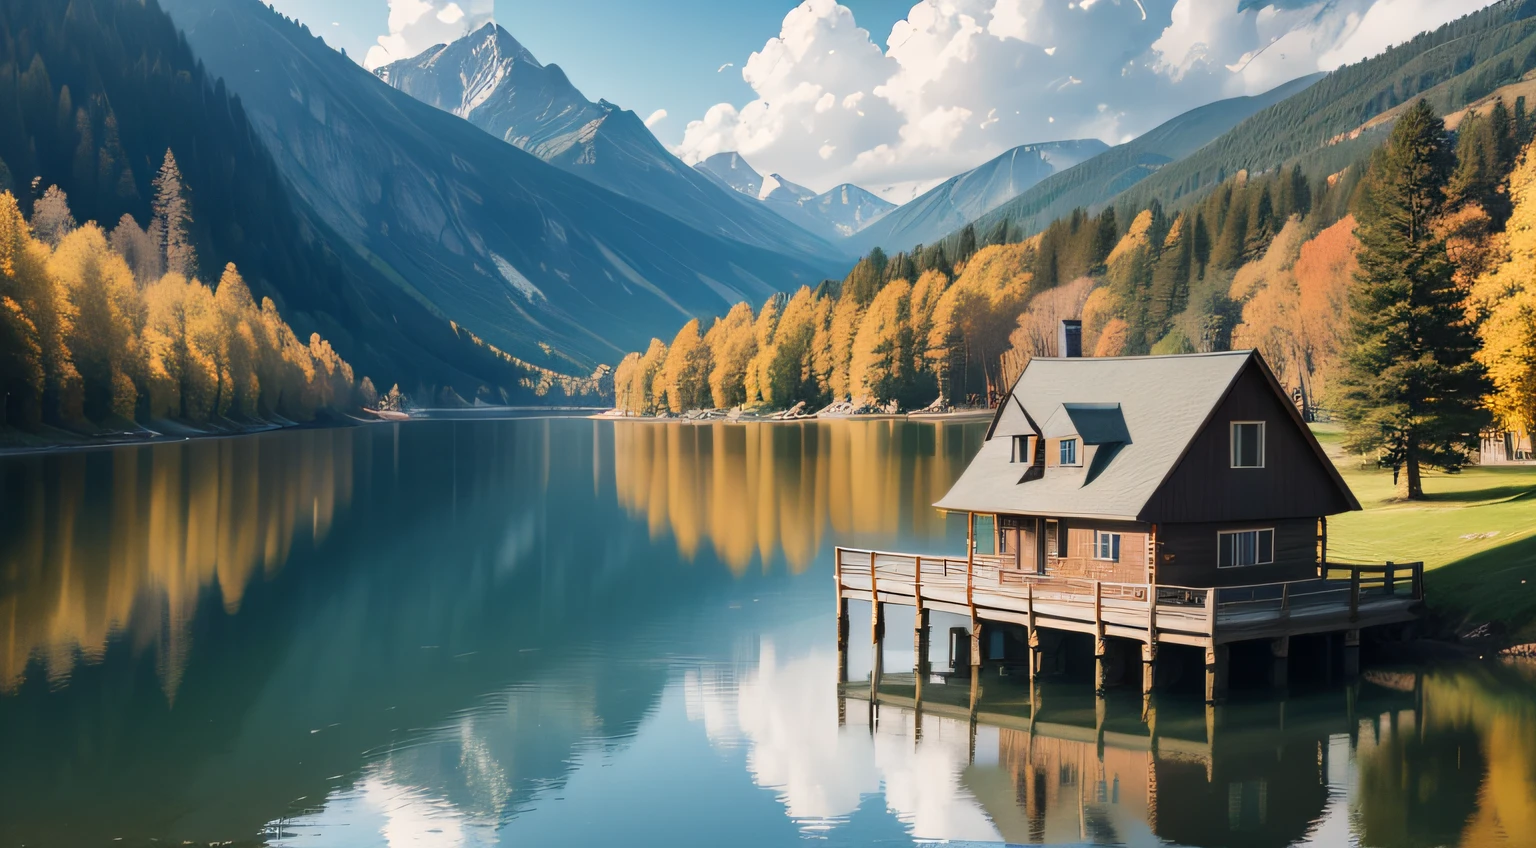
pixel 1153 500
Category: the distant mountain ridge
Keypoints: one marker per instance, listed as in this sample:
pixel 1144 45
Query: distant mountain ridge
pixel 1100 179
pixel 541 263
pixel 491 80
pixel 965 197
pixel 835 214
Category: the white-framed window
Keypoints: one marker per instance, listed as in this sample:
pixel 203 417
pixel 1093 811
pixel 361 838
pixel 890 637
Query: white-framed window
pixel 1020 449
pixel 1106 546
pixel 1069 451
pixel 1247 444
pixel 1245 547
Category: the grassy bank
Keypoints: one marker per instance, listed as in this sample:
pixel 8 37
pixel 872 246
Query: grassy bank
pixel 1476 534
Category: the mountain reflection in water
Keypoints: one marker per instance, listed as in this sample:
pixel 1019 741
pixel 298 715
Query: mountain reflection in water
pixel 582 632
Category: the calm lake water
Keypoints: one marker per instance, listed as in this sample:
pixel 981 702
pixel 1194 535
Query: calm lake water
pixel 575 632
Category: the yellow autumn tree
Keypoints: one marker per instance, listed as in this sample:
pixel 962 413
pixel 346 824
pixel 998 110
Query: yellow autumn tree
pixel 104 317
pixel 1506 298
pixel 733 344
pixel 685 374
pixel 762 333
pixel 784 366
pixel 882 347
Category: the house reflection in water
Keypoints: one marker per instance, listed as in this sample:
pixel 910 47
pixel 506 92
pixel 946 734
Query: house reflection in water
pixel 1080 770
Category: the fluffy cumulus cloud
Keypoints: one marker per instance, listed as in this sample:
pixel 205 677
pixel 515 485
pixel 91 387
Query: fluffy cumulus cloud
pixel 415 25
pixel 961 81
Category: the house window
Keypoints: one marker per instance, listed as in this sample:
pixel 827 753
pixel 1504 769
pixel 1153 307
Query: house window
pixel 1069 451
pixel 1245 547
pixel 1002 541
pixel 1106 546
pixel 1020 449
pixel 1052 533
pixel 1247 444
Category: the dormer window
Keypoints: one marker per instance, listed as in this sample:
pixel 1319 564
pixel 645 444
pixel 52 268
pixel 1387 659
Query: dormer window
pixel 1247 444
pixel 1020 449
pixel 1069 451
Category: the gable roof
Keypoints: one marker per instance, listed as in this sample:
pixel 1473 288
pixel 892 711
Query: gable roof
pixel 1143 411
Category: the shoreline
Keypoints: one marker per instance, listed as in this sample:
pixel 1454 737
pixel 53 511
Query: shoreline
pixel 176 432
pixel 938 417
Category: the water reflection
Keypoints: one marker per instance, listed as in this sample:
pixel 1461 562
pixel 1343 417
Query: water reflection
pixel 577 632
pixel 765 489
pixel 104 543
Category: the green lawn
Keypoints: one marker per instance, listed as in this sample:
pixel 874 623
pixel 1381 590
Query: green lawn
pixel 1477 534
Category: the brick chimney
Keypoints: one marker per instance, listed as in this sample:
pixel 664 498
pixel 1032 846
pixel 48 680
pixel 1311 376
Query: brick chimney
pixel 1069 340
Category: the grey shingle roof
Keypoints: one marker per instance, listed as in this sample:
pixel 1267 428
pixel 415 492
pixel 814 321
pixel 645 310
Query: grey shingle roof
pixel 1157 405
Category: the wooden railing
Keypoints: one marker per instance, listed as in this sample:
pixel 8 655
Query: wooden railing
pixel 1339 583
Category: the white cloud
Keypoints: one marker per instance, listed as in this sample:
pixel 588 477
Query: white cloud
pixel 415 25
pixel 964 80
pixel 655 118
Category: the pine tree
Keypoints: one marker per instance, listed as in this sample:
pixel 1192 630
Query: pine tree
pixel 1412 391
pixel 173 215
pixel 51 218
pixel 967 243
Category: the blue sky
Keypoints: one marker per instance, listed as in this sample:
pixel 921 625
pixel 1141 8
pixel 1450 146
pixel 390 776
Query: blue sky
pixel 897 95
pixel 641 54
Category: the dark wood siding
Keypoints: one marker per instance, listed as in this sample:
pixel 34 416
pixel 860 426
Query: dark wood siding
pixel 1187 553
pixel 1293 483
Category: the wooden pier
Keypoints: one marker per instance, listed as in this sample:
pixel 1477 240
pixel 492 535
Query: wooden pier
pixel 1342 599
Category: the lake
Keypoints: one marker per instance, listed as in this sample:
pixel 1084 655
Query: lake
pixel 578 632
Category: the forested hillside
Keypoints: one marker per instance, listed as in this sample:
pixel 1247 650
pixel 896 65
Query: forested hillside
pixel 1099 180
pixel 94 92
pixel 1323 126
pixel 1271 261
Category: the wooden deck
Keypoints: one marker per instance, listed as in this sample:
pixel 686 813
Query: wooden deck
pixel 1349 598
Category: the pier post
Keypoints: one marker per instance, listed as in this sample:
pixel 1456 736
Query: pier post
pixel 1148 668
pixel 970 591
pixel 1100 665
pixel 1351 654
pixel 877 644
pixel 1215 673
pixel 1280 662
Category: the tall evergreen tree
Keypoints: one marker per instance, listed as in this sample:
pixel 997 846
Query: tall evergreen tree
pixel 967 243
pixel 173 216
pixel 1412 391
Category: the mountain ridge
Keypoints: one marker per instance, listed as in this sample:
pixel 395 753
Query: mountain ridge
pixel 969 195
pixel 491 80
pixel 539 262
pixel 838 213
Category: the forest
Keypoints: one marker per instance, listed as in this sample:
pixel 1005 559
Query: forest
pixel 92 95
pixel 1270 261
pixel 101 329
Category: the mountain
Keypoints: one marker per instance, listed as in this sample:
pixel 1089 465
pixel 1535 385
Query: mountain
pixel 131 90
pixel 1100 179
pixel 492 81
pixel 1336 122
pixel 964 198
pixel 850 209
pixel 835 214
pixel 528 257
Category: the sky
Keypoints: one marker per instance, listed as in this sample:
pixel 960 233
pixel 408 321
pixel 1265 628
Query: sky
pixel 897 95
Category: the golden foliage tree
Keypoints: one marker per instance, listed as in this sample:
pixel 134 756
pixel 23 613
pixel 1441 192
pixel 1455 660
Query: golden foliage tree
pixel 881 349
pixel 733 343
pixel 685 375
pixel 84 340
pixel 1505 299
